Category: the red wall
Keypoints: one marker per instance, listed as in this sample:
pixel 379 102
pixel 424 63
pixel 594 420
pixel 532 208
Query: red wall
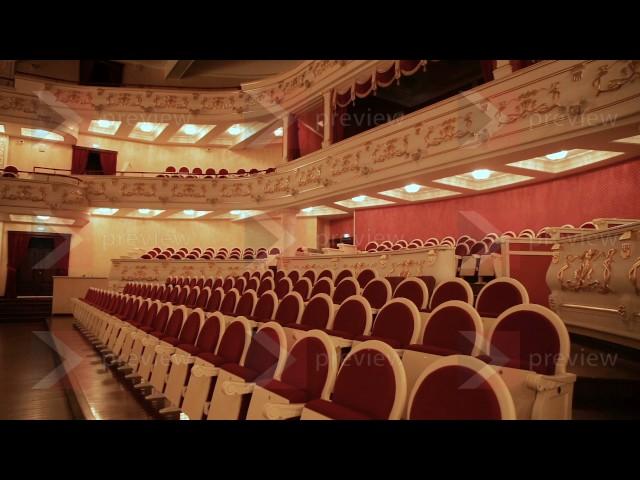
pixel 341 226
pixel 611 191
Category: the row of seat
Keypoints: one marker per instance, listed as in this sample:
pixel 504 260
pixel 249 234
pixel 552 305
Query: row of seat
pixel 444 323
pixel 197 172
pixel 210 253
pixel 486 245
pixel 10 171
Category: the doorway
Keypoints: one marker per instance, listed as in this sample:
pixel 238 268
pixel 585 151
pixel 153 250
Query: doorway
pixel 34 259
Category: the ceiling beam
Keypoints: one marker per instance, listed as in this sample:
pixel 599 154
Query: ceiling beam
pixel 176 69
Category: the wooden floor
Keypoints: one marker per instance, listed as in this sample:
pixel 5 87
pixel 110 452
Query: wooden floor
pixel 25 362
pixel 100 395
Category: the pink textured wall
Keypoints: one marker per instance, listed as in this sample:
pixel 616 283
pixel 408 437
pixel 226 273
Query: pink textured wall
pixel 612 191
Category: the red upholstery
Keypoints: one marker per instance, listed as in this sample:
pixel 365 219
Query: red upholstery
pixel 525 339
pixel 365 276
pixel 253 284
pixel 455 392
pixel 316 314
pixel 294 276
pixel 228 305
pixel 344 290
pixel 321 286
pixel 412 291
pixel 288 310
pixel 214 301
pixel 394 325
pixel 228 284
pixel 311 275
pixel 264 308
pixel 245 304
pixel 346 273
pixel 377 293
pixel 351 318
pixel 189 332
pixel 451 328
pixel 232 343
pixel 201 302
pixel 496 298
pixel 173 326
pixel 283 287
pixel 366 384
pixel 208 336
pixel 448 291
pixel 265 285
pixel 303 287
pixel 335 411
pixel 325 273
pixel 291 393
pixel 262 357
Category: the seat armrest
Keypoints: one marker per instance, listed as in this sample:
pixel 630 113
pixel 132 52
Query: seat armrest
pixel 237 388
pixel 542 383
pixel 280 411
pixel 204 371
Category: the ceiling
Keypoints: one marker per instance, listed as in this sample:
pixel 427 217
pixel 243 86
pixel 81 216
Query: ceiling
pixel 205 74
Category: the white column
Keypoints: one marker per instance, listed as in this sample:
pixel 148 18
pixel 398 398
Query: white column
pixel 285 137
pixel 328 120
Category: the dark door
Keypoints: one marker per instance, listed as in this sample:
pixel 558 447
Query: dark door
pixel 45 255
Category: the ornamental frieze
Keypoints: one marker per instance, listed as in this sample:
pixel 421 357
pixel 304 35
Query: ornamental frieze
pixel 236 190
pixel 138 189
pixel 28 193
pixel 191 190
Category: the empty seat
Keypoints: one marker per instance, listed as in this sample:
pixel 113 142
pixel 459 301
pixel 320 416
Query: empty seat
pixel 352 319
pixel 397 324
pixel 264 362
pixel 283 287
pixel 497 296
pixel 316 315
pixel 454 289
pixel 289 309
pixel 246 304
pixel 266 284
pixel 311 275
pixel 371 246
pixel 326 273
pixel 322 285
pixel 253 284
pixel 308 374
pixel 370 385
pixel 365 276
pixel 265 308
pixel 342 274
pixel 459 387
pixel 214 300
pixel 345 289
pixel 294 276
pixel 229 302
pixel 413 289
pixel 303 287
pixel 377 292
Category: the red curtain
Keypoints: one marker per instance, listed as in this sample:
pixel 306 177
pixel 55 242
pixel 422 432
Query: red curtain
pixel 18 245
pixel 108 162
pixel 309 140
pixel 488 66
pixel 79 160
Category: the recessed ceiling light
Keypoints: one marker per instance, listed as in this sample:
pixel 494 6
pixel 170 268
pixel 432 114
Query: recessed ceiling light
pixel 104 123
pixel 307 210
pixel 144 211
pixel 105 211
pixel 412 188
pixel 41 134
pixel 1 128
pixel 43 217
pixel 190 213
pixel 235 129
pixel 558 155
pixel 146 127
pixel 236 212
pixel 359 198
pixel 278 132
pixel 95 145
pixel 40 228
pixel 481 174
pixel 190 129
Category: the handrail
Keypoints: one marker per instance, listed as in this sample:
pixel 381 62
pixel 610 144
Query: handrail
pixel 35 175
pixel 126 173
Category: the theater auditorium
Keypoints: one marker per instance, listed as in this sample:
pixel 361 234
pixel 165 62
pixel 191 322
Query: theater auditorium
pixel 319 240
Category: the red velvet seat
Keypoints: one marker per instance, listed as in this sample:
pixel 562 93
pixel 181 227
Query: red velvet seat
pixel 377 292
pixel 303 287
pixel 317 314
pixel 289 309
pixel 207 338
pixel 214 300
pixel 415 290
pixel 460 388
pixel 365 276
pixel 455 289
pixel 353 318
pixel 342 274
pixel 500 294
pixel 229 302
pixel 322 285
pixel 345 289
pixel 283 287
pixel 397 323
pixel 265 307
pixel 370 385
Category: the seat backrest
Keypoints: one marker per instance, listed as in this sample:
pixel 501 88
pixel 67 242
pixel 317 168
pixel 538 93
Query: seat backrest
pixel 365 276
pixel 161 319
pixel 377 292
pixel 152 312
pixel 217 283
pixel 289 309
pixel 266 284
pixel 215 300
pixel 210 333
pixel 530 337
pixel 353 316
pixel 203 297
pixel 253 284
pixel 229 302
pixel 500 294
pixel 414 289
pixel 278 275
pixel 454 289
pixel 398 320
pixel 325 273
pixel 190 301
pixel 303 287
pixel 266 306
pixel 267 351
pixel 246 303
pixel 460 387
pixel 191 327
pixel 228 284
pixel 312 365
pixel 322 285
pixel 372 381
pixel 318 312
pixel 235 341
pixel 311 275
pixel 283 287
pixel 240 285
pixel 268 274
pixel 342 274
pixel 294 276
pixel 346 288
pixel 454 327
